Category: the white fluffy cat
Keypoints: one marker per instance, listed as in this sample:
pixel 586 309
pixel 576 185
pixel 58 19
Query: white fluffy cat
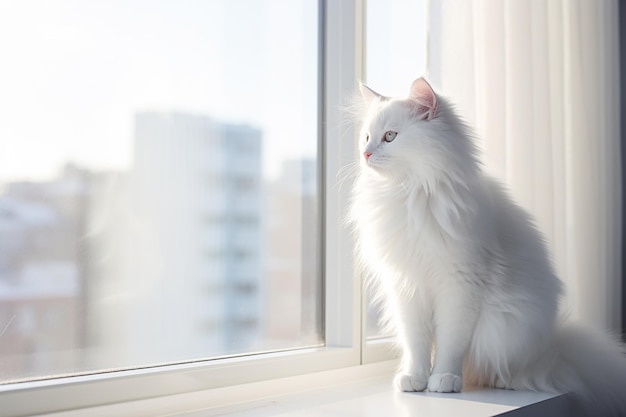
pixel 463 276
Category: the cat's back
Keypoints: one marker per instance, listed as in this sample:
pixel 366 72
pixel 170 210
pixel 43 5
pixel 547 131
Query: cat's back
pixel 519 244
pixel 513 225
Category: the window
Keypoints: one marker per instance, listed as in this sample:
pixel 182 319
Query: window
pixel 114 116
pixel 162 167
pixel 385 44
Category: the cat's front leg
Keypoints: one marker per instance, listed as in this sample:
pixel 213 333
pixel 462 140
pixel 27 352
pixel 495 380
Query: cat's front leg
pixel 455 318
pixel 414 333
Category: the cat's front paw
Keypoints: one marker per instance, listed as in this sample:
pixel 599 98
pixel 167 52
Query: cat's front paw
pixel 445 383
pixel 410 383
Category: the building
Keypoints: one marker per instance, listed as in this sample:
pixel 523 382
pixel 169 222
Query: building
pixel 41 275
pixel 180 244
pixel 293 277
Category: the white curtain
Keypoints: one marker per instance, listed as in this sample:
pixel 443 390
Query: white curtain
pixel 539 80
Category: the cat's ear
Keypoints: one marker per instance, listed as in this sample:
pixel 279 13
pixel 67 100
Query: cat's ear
pixel 368 94
pixel 425 99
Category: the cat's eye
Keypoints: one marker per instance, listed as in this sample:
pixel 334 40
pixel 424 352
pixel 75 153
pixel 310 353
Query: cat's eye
pixel 390 135
pixel 367 137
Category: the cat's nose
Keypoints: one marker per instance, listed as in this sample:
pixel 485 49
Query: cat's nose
pixel 367 155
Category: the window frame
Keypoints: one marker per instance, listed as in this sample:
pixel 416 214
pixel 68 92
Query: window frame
pixel 341 58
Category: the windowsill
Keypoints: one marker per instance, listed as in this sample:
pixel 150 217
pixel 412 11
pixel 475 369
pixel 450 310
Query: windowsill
pixel 359 391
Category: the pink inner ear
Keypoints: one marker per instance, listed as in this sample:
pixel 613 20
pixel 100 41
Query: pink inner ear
pixel 422 93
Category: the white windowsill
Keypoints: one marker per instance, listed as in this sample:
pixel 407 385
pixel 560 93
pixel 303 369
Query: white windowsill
pixel 358 391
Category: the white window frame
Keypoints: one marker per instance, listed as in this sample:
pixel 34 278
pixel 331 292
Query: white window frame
pixel 341 64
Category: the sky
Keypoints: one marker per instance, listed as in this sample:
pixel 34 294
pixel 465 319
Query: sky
pixel 73 73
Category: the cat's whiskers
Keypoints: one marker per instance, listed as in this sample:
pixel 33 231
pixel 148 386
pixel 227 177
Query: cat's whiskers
pixel 346 173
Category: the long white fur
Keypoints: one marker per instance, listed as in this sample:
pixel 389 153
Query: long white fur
pixel 461 270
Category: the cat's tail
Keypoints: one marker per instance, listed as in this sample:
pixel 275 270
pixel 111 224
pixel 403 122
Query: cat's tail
pixel 588 365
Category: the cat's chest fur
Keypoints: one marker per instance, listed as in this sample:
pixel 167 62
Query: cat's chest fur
pixel 406 230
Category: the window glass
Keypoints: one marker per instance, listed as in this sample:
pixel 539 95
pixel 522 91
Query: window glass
pixel 395 51
pixel 158 182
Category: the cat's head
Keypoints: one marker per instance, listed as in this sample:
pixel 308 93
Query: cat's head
pixel 418 136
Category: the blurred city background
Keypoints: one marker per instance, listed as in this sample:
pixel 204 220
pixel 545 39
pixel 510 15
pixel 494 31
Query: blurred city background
pixel 188 255
pixel 158 183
